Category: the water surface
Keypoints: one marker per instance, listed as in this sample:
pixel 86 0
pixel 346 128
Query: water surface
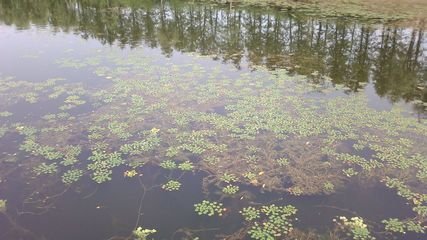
pixel 103 103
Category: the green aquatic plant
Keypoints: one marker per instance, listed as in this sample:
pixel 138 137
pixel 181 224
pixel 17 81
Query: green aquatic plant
pixel 171 185
pixel 250 176
pixel 72 102
pixel 418 200
pixel 230 189
pixel 186 166
pixel 3 205
pixel 349 172
pixel 45 169
pixel 209 208
pixel 282 161
pixel 251 159
pixel 168 164
pixel 31 97
pixel 119 129
pixel 275 221
pixel 3 130
pixel 329 187
pixel 48 152
pixel 71 155
pixel 72 176
pixel 296 191
pixel 130 173
pixel 250 213
pixel 172 152
pixel 77 64
pixel 27 131
pixel 354 227
pixel 5 114
pixel 196 142
pixel 228 178
pixel 211 160
pixel 143 234
pixel 403 226
pixel 102 164
pixel 150 142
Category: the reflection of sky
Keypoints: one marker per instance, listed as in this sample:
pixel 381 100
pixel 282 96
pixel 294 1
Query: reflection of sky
pixel 31 55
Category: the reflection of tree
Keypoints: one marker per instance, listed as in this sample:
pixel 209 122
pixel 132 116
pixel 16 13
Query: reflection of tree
pixel 396 67
pixel 351 54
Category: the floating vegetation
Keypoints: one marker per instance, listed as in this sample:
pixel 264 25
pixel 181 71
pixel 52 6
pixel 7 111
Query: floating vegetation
pixel 355 228
pixel 209 208
pixel 228 178
pixel 130 173
pixel 168 164
pixel 143 234
pixel 171 185
pixel 272 221
pixel 5 114
pixel 102 164
pixel 72 176
pixel 230 189
pixel 46 169
pixel 3 130
pixel 186 166
pixel 3 205
pixel 250 213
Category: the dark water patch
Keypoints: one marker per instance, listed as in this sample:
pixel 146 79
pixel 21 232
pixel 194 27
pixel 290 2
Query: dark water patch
pixel 221 110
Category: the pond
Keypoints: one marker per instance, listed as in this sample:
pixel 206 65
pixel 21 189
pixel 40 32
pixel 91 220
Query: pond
pixel 188 120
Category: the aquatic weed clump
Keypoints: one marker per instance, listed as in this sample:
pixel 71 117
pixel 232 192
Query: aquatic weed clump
pixel 3 205
pixel 209 208
pixel 71 176
pixel 143 234
pixel 354 227
pixel 270 222
pixel 250 213
pixel 171 185
pixel 230 189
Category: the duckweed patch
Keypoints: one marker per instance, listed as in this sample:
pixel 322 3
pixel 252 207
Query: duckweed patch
pixel 209 208
pixel 171 185
pixel 276 221
pixel 355 227
pixel 143 234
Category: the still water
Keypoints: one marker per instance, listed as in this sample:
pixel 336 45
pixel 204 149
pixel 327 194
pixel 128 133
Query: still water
pixel 116 115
